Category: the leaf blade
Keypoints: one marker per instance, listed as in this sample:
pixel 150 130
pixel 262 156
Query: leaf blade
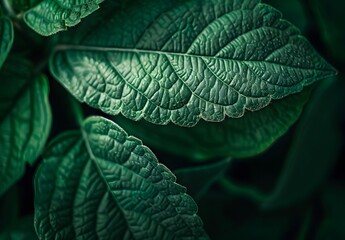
pixel 25 119
pixel 126 182
pixel 243 137
pixel 49 17
pixel 6 36
pixel 158 72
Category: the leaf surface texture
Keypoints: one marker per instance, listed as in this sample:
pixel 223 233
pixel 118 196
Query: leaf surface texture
pixel 51 16
pixel 180 61
pixel 236 137
pixel 104 184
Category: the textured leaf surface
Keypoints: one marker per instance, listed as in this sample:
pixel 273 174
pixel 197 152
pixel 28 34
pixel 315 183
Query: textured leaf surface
pixel 107 185
pixel 316 146
pixel 51 16
pixel 241 137
pixel 199 179
pixel 25 119
pixel 167 62
pixel 6 38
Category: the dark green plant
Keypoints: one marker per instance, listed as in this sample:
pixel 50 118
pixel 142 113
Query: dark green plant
pixel 203 83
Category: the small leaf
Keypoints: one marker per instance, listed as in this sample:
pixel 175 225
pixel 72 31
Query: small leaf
pixel 25 119
pixel 178 62
pixel 51 16
pixel 104 184
pixel 6 38
pixel 199 179
pixel 314 149
pixel 235 137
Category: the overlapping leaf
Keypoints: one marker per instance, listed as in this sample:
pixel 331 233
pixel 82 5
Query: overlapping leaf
pixel 25 119
pixel 240 137
pixel 51 16
pixel 104 184
pixel 316 146
pixel 6 38
pixel 168 61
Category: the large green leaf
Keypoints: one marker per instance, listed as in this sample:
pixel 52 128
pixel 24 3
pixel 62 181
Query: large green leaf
pixel 239 137
pixel 178 62
pixel 6 38
pixel 314 149
pixel 103 184
pixel 25 119
pixel 51 16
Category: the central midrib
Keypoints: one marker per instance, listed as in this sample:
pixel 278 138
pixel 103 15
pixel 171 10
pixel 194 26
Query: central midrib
pixel 66 47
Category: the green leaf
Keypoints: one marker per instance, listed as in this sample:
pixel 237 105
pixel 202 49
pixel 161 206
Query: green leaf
pixel 51 16
pixel 179 62
pixel 6 38
pixel 103 184
pixel 25 119
pixel 239 137
pixel 199 179
pixel 314 150
pixel 24 230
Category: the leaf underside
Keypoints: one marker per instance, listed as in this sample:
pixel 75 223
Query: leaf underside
pixel 25 119
pixel 6 38
pixel 104 184
pixel 171 61
pixel 236 137
pixel 51 16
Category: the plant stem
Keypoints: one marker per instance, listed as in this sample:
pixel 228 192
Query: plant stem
pixel 305 225
pixel 76 110
pixel 241 191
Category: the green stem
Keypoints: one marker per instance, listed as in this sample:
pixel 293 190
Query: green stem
pixel 76 110
pixel 241 191
pixel 8 9
pixel 306 224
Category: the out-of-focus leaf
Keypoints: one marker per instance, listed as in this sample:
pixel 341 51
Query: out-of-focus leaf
pixel 182 61
pixel 314 149
pixel 333 226
pixel 199 179
pixel 239 137
pixel 25 118
pixel 23 230
pixel 330 19
pixel 292 10
pixel 6 37
pixel 101 183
